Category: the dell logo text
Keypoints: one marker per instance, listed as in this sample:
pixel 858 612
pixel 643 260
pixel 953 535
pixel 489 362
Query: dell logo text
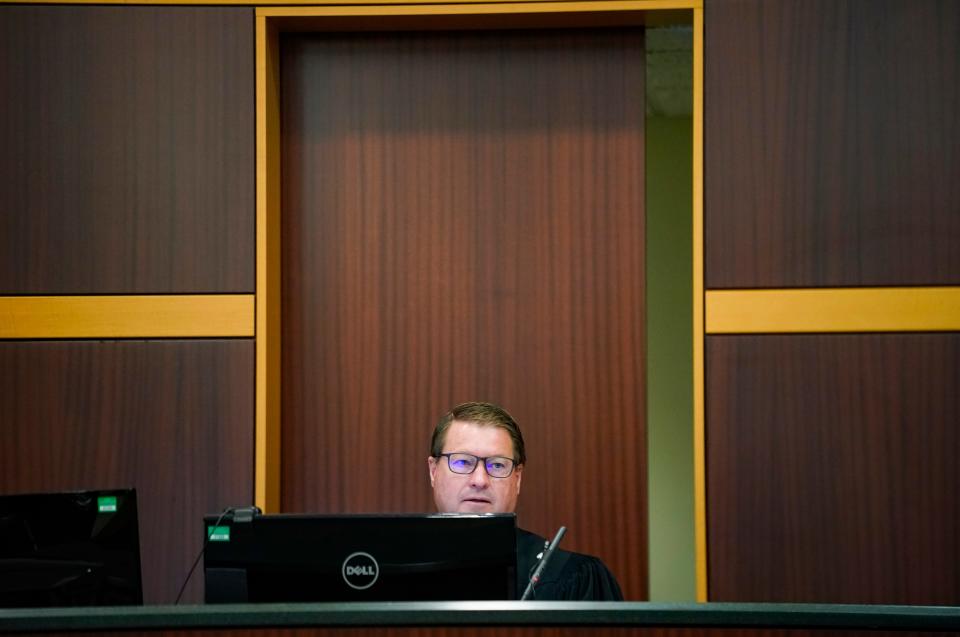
pixel 360 570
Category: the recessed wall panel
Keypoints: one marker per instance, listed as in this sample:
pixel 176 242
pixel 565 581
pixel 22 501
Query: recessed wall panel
pixel 831 137
pixel 832 468
pixel 126 149
pixel 173 419
pixel 463 220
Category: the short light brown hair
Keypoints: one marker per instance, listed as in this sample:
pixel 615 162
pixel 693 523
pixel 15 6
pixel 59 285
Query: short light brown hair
pixel 486 414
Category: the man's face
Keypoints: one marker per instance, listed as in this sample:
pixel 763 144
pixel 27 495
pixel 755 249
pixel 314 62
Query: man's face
pixel 474 492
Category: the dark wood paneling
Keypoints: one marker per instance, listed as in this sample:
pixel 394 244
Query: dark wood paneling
pixel 174 419
pixel 463 220
pixel 831 143
pixel 833 466
pixel 126 149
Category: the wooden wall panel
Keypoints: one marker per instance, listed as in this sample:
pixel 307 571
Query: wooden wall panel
pixel 174 419
pixel 832 129
pixel 126 149
pixel 833 465
pixel 463 220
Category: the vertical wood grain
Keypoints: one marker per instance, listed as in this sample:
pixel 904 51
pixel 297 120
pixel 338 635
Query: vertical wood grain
pixel 463 220
pixel 833 129
pixel 833 468
pixel 173 419
pixel 126 149
pixel 268 401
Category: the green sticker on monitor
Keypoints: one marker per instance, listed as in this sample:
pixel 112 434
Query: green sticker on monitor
pixel 218 533
pixel 107 504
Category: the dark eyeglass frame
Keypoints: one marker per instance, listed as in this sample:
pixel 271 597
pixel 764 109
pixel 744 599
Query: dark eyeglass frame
pixel 477 462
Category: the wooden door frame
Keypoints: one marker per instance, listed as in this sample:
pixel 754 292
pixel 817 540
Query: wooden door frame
pixel 272 21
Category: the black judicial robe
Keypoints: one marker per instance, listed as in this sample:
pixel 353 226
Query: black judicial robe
pixel 568 576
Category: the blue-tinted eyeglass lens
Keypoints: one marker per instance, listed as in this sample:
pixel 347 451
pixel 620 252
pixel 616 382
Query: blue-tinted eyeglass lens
pixel 461 462
pixel 499 467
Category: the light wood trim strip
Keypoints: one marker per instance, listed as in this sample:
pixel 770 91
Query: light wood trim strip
pixel 476 8
pixel 267 427
pixel 909 309
pixel 643 5
pixel 134 316
pixel 699 449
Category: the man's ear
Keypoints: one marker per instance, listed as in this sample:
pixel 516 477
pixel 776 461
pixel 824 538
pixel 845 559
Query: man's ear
pixel 519 471
pixel 432 465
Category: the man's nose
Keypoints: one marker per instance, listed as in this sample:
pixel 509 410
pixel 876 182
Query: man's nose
pixel 479 477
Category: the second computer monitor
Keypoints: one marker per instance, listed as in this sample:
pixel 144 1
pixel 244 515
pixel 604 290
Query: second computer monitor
pixel 310 558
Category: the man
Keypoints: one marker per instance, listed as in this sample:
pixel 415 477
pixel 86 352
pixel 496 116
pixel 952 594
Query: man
pixel 476 465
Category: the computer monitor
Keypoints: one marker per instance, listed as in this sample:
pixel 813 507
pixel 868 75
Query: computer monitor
pixel 70 549
pixel 313 558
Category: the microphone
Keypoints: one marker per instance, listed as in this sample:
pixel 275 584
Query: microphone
pixel 535 578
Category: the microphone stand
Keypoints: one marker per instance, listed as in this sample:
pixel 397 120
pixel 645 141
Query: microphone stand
pixel 535 578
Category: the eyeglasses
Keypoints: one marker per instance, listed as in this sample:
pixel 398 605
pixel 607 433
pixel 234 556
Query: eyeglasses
pixel 496 466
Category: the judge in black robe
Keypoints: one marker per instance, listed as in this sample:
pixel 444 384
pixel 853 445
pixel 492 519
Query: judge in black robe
pixel 476 462
pixel 568 576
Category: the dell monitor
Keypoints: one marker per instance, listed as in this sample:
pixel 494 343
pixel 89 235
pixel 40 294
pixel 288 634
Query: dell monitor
pixel 70 549
pixel 315 558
